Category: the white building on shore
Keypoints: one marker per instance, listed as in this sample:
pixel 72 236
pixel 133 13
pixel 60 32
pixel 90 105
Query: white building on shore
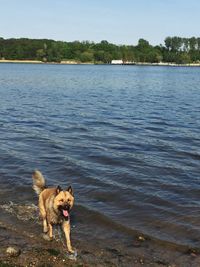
pixel 117 61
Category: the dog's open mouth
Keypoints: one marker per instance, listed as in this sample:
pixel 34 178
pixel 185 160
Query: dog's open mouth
pixel 65 213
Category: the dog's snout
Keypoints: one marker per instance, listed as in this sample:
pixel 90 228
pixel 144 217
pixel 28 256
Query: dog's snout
pixel 67 206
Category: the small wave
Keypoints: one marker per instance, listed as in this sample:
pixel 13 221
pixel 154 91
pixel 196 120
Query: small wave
pixel 23 212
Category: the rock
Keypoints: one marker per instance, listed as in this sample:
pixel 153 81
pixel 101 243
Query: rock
pixel 13 251
pixel 141 238
pixel 141 261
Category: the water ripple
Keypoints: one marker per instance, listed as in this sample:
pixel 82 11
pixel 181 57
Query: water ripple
pixel 126 138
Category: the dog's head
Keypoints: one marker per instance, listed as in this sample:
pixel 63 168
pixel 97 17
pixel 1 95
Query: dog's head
pixel 64 201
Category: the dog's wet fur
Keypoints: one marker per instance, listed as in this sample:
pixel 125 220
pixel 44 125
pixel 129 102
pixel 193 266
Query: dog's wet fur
pixel 54 206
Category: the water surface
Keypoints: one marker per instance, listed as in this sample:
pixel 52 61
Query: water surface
pixel 125 137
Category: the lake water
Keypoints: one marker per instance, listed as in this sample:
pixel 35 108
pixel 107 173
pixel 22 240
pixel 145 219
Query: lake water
pixel 125 137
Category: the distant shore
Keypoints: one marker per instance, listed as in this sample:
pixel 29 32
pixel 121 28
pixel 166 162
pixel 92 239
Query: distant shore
pixel 72 62
pixel 165 64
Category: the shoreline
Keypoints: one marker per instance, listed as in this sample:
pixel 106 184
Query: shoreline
pixel 68 62
pixel 21 228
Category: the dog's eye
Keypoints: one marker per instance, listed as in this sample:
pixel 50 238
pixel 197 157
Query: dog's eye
pixel 62 200
pixel 68 200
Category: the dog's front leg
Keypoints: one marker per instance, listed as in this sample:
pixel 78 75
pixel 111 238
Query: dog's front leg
pixel 66 229
pixel 50 231
pixel 45 226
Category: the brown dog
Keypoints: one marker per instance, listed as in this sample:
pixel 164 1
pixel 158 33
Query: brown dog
pixel 54 205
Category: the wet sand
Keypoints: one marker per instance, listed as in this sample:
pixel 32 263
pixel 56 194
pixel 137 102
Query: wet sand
pixel 20 227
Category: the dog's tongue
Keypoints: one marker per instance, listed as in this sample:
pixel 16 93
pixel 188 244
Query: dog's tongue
pixel 65 213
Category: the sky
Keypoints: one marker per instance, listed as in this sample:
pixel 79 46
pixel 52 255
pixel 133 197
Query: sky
pixel 117 21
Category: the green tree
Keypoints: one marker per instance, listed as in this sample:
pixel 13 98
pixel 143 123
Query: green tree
pixel 40 54
pixel 183 58
pixel 86 56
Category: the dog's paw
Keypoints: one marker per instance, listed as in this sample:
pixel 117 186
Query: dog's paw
pixel 72 251
pixel 45 230
pixel 47 237
pixel 72 254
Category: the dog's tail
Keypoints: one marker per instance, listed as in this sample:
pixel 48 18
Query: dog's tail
pixel 38 182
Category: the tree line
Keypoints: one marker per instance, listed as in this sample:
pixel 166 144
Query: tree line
pixel 175 50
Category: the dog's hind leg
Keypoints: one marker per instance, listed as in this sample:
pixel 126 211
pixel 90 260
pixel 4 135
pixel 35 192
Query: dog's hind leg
pixel 43 214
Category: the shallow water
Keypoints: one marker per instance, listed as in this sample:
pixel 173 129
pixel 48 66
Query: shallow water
pixel 125 137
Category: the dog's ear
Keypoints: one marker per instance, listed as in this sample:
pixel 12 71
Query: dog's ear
pixel 70 190
pixel 58 189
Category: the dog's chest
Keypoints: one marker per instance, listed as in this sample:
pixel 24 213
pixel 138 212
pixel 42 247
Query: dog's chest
pixel 52 216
